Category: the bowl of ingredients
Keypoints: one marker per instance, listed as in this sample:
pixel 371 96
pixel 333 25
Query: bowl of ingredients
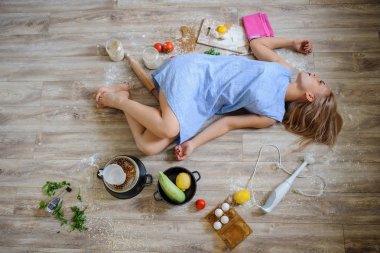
pixel 176 185
pixel 135 177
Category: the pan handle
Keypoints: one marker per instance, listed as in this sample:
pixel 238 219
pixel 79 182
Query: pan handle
pixel 199 175
pixel 155 196
pixel 148 179
pixel 99 174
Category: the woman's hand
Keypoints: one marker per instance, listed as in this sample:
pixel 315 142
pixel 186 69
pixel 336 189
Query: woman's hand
pixel 183 150
pixel 303 46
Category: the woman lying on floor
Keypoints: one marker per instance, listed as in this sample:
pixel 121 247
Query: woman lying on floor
pixel 193 88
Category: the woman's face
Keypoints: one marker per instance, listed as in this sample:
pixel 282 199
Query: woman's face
pixel 312 85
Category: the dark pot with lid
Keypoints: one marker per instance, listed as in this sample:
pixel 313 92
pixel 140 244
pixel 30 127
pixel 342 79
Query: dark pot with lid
pixel 136 177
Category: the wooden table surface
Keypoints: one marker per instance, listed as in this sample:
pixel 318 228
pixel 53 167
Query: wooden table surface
pixel 50 129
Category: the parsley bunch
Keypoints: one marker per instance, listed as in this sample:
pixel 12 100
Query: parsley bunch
pixel 78 220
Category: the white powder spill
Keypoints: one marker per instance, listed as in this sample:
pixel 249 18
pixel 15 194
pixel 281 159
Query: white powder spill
pixel 112 75
pixel 299 61
pixel 90 161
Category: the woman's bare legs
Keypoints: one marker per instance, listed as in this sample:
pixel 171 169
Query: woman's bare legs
pixel 163 124
pixel 146 142
pixel 145 121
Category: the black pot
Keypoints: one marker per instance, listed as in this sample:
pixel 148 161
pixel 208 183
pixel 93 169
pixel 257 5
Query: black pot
pixel 172 173
pixel 143 180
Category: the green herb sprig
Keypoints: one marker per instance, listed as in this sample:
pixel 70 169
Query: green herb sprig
pixel 59 215
pixel 78 220
pixel 43 204
pixel 50 187
pixel 212 51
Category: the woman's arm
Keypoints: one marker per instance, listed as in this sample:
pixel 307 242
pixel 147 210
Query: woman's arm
pixel 219 128
pixel 263 48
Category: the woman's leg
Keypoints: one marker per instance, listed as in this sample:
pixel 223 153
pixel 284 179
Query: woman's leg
pixel 163 124
pixel 145 140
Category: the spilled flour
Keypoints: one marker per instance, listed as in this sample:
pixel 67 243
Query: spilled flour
pixel 113 74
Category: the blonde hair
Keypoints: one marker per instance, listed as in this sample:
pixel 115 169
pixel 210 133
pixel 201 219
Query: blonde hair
pixel 317 121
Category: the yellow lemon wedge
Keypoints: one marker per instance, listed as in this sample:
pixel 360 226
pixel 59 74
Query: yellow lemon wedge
pixel 242 196
pixel 183 181
pixel 221 29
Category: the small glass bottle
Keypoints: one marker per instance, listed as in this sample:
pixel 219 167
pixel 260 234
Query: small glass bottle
pixel 115 50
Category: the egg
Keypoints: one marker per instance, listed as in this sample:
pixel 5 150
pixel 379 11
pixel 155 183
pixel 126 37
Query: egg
pixel 224 219
pixel 218 212
pixel 217 225
pixel 225 207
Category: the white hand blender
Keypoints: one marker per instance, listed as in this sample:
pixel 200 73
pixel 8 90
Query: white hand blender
pixel 279 193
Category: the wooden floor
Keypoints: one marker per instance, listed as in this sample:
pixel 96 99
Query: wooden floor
pixel 51 130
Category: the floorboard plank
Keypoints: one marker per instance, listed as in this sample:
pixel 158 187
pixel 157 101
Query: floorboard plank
pixel 359 238
pixel 351 146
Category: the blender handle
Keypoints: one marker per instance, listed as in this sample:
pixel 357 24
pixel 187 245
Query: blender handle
pixel 199 175
pixel 99 174
pixel 148 179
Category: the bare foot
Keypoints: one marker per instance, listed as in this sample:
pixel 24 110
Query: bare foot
pixel 116 88
pixel 183 151
pixel 113 99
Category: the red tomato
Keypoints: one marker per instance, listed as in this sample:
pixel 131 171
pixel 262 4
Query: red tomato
pixel 168 47
pixel 200 204
pixel 158 47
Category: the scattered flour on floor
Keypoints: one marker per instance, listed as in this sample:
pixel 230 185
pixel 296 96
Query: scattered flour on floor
pixel 112 74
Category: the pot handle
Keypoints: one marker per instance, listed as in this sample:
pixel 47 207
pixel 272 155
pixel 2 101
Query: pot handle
pixel 155 197
pixel 148 179
pixel 199 175
pixel 99 174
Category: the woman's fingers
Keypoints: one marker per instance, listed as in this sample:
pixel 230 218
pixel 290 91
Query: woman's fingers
pixel 306 47
pixel 178 152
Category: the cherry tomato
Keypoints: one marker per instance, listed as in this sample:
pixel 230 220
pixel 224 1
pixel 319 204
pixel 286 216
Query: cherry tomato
pixel 168 47
pixel 158 47
pixel 200 204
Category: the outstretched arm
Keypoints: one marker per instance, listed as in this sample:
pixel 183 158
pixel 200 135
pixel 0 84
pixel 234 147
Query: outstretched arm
pixel 219 128
pixel 263 48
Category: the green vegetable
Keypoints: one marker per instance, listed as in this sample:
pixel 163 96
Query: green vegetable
pixel 212 51
pixel 43 204
pixel 78 220
pixel 50 187
pixel 59 215
pixel 170 189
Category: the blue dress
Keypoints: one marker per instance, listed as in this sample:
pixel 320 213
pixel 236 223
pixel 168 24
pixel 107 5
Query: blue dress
pixel 198 86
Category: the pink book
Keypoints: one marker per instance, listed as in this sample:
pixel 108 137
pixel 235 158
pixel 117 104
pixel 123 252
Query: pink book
pixel 257 25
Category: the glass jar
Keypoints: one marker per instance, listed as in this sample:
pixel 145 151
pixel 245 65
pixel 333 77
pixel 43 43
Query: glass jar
pixel 151 58
pixel 115 50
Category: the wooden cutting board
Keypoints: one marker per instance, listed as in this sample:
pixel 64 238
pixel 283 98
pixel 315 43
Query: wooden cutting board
pixel 236 40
